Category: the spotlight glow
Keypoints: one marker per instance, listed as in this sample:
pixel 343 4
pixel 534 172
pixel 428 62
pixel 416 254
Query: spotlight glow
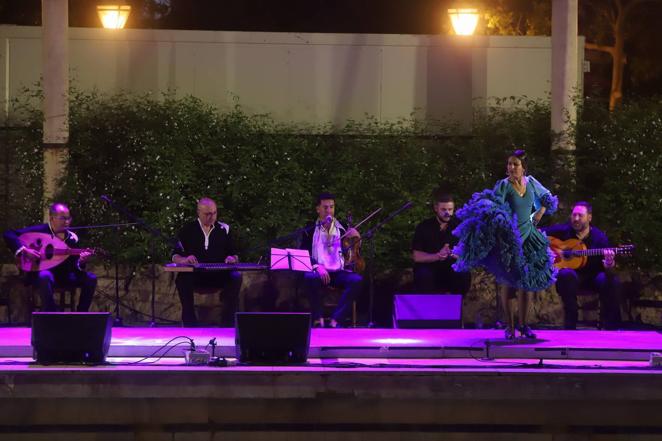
pixel 397 341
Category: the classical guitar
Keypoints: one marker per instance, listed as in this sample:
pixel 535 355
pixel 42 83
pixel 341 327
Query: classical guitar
pixel 574 254
pixel 53 251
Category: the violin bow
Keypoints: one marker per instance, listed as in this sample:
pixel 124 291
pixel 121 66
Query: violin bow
pixel 364 220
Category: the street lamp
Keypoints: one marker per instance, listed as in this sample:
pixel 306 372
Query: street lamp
pixel 113 16
pixel 464 20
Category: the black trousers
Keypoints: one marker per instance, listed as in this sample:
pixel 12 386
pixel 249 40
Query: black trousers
pixel 228 281
pixel 608 287
pixel 47 280
pixel 439 277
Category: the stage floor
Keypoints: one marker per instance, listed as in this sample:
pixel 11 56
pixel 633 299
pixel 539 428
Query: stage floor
pixel 386 343
pixel 360 384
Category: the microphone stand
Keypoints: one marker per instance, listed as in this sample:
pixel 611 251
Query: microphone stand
pixel 155 233
pixel 117 321
pixel 369 236
pixel 289 236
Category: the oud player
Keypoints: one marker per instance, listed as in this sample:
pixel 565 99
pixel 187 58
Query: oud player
pixel 68 274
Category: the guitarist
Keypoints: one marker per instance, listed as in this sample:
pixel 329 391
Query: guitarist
pixel 70 273
pixel 598 274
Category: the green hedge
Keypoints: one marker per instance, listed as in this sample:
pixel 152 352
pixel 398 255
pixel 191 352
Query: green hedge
pixel 157 155
pixel 619 158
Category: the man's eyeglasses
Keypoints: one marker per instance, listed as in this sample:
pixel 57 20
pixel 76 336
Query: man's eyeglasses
pixel 63 218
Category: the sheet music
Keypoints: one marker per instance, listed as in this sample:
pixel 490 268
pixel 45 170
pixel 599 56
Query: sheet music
pixel 290 259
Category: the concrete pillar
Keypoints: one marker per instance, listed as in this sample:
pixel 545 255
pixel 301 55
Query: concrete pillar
pixel 55 55
pixel 564 71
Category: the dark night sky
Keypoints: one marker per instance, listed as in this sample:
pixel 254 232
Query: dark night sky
pixel 361 16
pixel 643 75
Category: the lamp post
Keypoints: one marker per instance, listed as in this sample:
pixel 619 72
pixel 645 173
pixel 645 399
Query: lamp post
pixel 464 20
pixel 113 16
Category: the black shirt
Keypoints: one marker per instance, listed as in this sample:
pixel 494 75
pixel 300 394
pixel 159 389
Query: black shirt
pixel 192 238
pixel 429 238
pixel 595 239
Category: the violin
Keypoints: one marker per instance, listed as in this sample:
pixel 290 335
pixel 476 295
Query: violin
pixel 351 247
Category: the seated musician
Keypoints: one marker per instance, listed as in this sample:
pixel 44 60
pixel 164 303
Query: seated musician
pixel 207 240
pixel 323 242
pixel 431 250
pixel 598 273
pixel 69 273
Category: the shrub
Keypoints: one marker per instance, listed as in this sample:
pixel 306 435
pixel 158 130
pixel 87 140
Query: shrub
pixel 157 155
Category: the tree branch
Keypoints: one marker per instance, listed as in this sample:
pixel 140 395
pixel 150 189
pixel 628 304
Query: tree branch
pixel 600 47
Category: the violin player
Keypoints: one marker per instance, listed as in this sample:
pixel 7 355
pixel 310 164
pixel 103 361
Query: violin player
pixel 323 240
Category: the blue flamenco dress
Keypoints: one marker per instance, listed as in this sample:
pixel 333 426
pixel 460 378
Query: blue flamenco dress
pixel 497 233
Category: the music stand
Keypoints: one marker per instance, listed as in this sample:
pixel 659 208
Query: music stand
pixel 290 259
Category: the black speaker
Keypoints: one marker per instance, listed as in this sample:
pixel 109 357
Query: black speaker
pixel 427 310
pixel 71 337
pixel 272 337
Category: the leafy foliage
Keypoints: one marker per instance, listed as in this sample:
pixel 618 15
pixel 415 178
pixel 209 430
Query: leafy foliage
pixel 156 155
pixel 21 161
pixel 619 156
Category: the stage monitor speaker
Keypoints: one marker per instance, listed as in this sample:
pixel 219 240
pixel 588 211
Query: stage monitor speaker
pixel 427 310
pixel 71 337
pixel 272 337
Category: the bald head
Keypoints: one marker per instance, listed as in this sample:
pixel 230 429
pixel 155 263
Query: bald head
pixel 57 207
pixel 59 215
pixel 207 212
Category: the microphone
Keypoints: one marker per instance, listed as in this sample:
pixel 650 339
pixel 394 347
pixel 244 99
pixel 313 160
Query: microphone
pixel 328 220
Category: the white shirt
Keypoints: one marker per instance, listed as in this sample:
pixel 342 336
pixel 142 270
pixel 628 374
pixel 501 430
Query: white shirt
pixel 226 227
pixel 327 247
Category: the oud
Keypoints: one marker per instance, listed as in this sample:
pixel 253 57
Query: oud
pixel 53 251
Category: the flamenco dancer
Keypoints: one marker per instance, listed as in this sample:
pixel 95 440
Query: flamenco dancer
pixel 498 232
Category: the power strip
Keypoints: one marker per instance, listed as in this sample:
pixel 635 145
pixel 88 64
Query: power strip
pixel 199 357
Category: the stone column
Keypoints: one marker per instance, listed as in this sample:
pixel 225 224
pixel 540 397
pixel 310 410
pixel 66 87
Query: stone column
pixel 55 58
pixel 564 89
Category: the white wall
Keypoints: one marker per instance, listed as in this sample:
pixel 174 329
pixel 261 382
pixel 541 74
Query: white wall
pixel 312 78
